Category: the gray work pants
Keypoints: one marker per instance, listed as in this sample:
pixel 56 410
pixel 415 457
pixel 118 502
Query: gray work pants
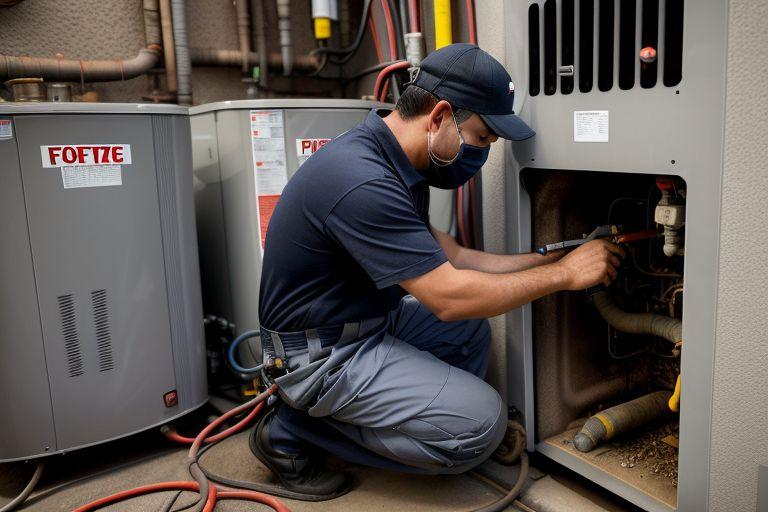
pixel 408 396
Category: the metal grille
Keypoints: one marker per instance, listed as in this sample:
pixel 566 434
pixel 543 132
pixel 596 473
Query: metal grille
pixel 599 41
pixel 72 350
pixel 103 335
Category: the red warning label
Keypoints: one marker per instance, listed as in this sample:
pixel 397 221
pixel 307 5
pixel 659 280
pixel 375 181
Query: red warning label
pixel 85 154
pixel 266 208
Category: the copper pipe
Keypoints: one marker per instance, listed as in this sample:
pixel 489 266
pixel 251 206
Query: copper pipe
pixel 216 57
pixel 70 70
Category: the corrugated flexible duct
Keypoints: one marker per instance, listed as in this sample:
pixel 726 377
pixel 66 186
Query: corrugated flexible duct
pixel 61 69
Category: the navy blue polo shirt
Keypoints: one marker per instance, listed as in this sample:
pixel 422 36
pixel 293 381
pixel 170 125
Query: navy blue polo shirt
pixel 351 224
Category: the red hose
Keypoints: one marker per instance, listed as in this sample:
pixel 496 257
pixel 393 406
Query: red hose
pixel 414 15
pixel 170 431
pixel 380 92
pixel 390 30
pixel 221 419
pixel 210 503
pixel 148 489
pixel 471 21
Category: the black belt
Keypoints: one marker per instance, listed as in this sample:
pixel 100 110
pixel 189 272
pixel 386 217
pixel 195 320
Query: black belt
pixel 318 342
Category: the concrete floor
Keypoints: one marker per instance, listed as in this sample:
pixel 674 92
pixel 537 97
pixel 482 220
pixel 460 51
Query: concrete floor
pixel 75 479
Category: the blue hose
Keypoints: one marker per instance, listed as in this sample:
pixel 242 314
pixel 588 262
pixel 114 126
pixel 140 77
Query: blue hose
pixel 233 348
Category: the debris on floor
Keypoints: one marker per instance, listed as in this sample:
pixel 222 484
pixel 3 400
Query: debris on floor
pixel 649 452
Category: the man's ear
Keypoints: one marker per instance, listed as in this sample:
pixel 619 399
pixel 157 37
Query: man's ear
pixel 440 113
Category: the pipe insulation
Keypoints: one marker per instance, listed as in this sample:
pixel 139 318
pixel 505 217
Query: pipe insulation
pixel 621 418
pixel 68 70
pixel 183 60
pixel 637 323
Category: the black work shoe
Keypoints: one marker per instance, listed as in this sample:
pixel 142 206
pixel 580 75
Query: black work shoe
pixel 297 472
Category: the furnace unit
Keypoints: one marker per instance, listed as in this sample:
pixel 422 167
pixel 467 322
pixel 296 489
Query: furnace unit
pixel 100 301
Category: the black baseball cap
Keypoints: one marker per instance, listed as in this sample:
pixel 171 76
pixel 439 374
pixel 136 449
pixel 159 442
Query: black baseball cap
pixel 470 78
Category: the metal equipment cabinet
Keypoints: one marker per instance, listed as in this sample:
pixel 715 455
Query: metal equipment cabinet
pixel 100 300
pixel 234 142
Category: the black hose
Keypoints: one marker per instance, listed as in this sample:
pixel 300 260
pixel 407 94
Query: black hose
pixel 507 500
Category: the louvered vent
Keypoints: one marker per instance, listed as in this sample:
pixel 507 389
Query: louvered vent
pixel 103 335
pixel 71 338
pixel 606 31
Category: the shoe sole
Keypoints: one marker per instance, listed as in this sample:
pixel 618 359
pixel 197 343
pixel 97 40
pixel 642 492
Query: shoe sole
pixel 285 491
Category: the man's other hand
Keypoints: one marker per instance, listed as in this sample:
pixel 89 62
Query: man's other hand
pixel 593 263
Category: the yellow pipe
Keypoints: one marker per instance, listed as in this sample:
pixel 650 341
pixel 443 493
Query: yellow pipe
pixel 674 400
pixel 443 31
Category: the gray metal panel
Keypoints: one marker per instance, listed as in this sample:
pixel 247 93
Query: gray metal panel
pixel 649 129
pixel 321 123
pixel 270 104
pixel 173 154
pixel 209 212
pixel 240 215
pixel 27 418
pixel 89 239
pixel 762 489
pixel 90 108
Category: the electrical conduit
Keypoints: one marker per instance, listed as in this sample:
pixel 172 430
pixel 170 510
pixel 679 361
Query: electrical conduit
pixel 286 42
pixel 183 60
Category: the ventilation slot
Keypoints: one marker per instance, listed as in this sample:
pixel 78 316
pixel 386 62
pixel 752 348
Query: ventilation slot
pixel 534 63
pixel 605 47
pixel 566 47
pixel 71 338
pixel 103 336
pixel 627 54
pixel 550 47
pixel 650 37
pixel 586 38
pixel 673 43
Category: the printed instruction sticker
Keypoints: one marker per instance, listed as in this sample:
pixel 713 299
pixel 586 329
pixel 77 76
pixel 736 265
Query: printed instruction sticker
pixel 269 162
pixel 82 176
pixel 305 148
pixel 6 129
pixel 590 126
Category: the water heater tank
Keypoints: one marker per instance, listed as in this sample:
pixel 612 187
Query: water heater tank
pixel 101 328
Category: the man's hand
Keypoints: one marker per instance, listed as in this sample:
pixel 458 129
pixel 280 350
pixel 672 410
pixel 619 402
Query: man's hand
pixel 593 263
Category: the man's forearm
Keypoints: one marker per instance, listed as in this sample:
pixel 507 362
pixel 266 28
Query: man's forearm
pixel 471 259
pixel 474 294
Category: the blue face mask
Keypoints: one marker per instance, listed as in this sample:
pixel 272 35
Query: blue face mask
pixel 453 173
